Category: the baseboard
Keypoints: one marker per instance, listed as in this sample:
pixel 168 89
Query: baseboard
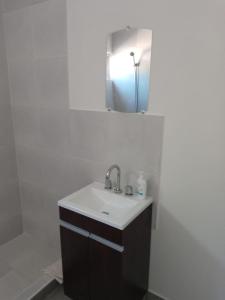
pixel 158 295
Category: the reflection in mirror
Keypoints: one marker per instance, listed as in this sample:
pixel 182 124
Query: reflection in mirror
pixel 128 70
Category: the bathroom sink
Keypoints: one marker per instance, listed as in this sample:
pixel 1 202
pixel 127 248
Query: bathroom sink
pixel 95 202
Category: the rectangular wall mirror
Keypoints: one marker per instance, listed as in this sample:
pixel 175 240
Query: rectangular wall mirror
pixel 128 70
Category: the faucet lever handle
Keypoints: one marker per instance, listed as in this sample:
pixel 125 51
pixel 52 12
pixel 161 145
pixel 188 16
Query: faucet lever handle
pixel 117 190
pixel 129 190
pixel 108 184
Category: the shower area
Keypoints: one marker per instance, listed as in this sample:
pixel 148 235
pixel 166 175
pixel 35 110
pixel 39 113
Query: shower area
pixel 32 74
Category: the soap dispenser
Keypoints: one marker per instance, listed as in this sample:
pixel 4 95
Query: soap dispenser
pixel 141 186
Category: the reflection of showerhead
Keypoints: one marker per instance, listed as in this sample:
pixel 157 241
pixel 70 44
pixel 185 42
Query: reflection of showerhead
pixel 132 54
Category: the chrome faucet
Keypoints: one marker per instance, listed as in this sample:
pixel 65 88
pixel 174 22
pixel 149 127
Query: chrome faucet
pixel 108 182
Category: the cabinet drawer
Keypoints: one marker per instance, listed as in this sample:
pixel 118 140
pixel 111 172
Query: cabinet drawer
pixel 105 231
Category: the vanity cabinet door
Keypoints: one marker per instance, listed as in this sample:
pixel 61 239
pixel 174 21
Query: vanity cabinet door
pixel 75 259
pixel 105 271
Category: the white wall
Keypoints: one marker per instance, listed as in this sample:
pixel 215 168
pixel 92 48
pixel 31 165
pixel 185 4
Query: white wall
pixel 187 85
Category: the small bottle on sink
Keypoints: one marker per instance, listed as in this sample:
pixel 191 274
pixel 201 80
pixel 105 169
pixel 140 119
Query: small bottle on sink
pixel 141 186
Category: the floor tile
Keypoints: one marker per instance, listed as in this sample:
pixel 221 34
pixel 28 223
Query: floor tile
pixel 30 265
pixel 16 247
pixel 11 285
pixel 153 297
pixel 22 261
pixel 58 294
pixel 4 268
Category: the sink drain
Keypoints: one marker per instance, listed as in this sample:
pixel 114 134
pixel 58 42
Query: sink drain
pixel 105 213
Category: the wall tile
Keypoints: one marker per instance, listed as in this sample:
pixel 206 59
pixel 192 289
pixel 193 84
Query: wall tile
pixel 52 82
pixel 29 164
pixel 54 130
pixel 38 1
pixel 89 135
pixel 8 164
pixel 90 170
pixel 9 204
pixel 6 136
pixel 132 141
pixel 9 5
pixel 18 33
pixel 4 87
pixel 1 6
pixel 10 228
pixel 32 201
pixel 60 175
pixel 125 138
pixel 21 81
pixel 153 130
pixel 43 225
pixel 49 28
pixel 26 125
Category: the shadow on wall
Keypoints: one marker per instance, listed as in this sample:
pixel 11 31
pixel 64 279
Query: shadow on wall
pixel 196 260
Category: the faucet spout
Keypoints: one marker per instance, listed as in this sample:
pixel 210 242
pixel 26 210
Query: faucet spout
pixel 108 182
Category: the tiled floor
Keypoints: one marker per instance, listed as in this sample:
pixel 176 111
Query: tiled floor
pixel 153 297
pixel 57 294
pixel 22 261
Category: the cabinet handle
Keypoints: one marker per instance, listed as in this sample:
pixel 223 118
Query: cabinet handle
pixel 107 243
pixel 94 237
pixel 74 229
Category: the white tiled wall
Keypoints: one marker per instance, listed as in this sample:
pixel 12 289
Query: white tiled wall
pixel 9 5
pixel 60 150
pixel 10 210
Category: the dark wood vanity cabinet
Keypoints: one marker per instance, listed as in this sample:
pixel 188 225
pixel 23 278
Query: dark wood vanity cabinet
pixel 75 252
pixel 104 263
pixel 105 271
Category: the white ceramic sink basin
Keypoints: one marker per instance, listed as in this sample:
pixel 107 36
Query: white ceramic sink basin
pixel 105 206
